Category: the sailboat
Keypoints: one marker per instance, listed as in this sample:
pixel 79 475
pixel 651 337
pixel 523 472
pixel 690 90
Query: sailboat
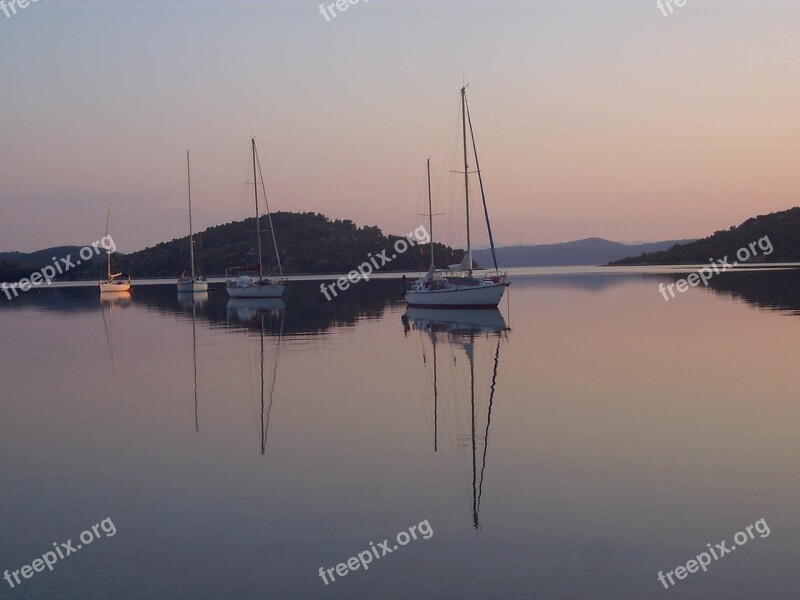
pixel 456 286
pixel 242 283
pixel 193 284
pixel 112 283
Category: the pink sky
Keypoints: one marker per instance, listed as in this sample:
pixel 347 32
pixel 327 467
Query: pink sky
pixel 614 122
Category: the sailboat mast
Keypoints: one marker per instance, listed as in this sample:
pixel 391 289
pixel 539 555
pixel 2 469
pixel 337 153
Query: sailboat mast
pixel 258 228
pixel 191 231
pixel 108 252
pixel 466 172
pixel 430 215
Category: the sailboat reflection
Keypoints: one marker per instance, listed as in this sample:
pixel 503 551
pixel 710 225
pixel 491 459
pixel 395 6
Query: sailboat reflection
pixel 470 332
pixel 194 300
pixel 189 299
pixel 115 298
pixel 249 309
pixel 261 310
pixel 110 300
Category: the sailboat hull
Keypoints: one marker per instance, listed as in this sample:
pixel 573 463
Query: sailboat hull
pixel 192 287
pixel 123 286
pixel 483 296
pixel 256 290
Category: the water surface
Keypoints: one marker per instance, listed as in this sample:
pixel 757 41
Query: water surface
pixel 571 445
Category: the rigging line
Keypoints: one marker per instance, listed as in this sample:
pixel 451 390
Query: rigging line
pixel 258 220
pixel 245 191
pixel 454 206
pixel 191 231
pixel 466 175
pixel 447 129
pixel 269 214
pixel 480 179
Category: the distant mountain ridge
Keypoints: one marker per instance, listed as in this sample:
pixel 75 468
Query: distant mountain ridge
pixel 589 251
pixel 782 228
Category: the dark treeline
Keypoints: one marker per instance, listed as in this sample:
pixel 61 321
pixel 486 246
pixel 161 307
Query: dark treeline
pixel 782 229
pixel 309 243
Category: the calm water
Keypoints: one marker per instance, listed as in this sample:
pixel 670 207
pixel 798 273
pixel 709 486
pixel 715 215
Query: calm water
pixel 606 436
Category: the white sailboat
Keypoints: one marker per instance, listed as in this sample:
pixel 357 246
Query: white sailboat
pixel 249 284
pixel 193 284
pixel 456 286
pixel 112 283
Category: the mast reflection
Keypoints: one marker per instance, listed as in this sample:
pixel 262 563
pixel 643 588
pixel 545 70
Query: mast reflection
pixel 260 311
pixel 471 332
pixel 194 300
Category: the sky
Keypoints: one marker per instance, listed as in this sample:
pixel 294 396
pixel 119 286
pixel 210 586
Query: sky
pixel 591 118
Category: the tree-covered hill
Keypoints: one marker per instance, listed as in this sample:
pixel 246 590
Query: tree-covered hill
pixel 308 243
pixel 14 270
pixel 782 229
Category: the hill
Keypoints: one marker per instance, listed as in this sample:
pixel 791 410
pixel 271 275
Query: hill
pixel 15 266
pixel 15 270
pixel 40 258
pixel 782 228
pixel 591 251
pixel 309 243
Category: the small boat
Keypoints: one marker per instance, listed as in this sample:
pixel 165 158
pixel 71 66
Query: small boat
pixel 193 284
pixel 246 283
pixel 113 283
pixel 457 286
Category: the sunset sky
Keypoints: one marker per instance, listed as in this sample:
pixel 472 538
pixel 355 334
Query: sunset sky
pixel 592 118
